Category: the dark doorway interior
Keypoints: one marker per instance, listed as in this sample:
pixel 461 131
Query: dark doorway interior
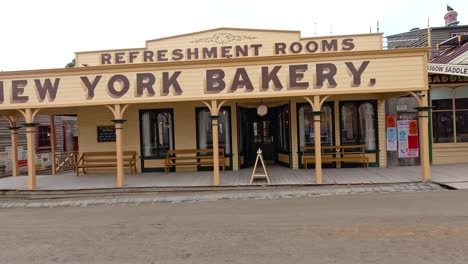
pixel 271 133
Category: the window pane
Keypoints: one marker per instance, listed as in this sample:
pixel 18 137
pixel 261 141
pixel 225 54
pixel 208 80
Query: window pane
pixel 43 136
pixel 306 125
pixel 445 104
pixel 462 126
pixel 205 137
pixel 367 121
pixel 442 98
pixel 461 98
pixel 349 121
pixel 157 130
pixel 442 127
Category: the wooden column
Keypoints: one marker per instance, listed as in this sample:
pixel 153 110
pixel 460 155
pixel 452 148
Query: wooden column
pixel 214 109
pixel 14 144
pixel 423 114
pixel 316 105
pixel 29 116
pixel 318 148
pixel 53 143
pixel 118 112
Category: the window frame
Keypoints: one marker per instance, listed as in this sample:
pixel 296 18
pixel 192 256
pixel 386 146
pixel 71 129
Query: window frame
pixel 43 147
pixel 357 104
pixel 298 108
pixel 197 126
pixel 453 110
pixel 157 112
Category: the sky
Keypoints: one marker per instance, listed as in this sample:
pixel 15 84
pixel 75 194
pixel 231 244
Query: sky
pixel 45 34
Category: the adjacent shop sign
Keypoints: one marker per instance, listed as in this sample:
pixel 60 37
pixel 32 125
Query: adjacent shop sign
pixel 461 70
pixel 408 142
pixel 391 133
pixel 105 133
pixel 445 79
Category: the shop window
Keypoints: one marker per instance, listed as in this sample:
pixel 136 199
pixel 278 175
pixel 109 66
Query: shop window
pixel 450 114
pixel 157 131
pixel 43 136
pixel 358 124
pixel 204 129
pixel 306 125
pixel 283 129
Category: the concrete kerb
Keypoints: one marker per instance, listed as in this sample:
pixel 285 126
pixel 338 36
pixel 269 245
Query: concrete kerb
pixel 23 193
pixel 117 198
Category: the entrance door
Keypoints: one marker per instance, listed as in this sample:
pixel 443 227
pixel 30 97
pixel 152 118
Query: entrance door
pixel 260 132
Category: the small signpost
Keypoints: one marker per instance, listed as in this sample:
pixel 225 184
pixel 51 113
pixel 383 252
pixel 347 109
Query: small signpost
pixel 256 175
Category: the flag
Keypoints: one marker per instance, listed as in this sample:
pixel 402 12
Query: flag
pixel 449 8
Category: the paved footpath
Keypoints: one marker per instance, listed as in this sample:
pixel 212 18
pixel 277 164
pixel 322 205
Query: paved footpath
pixel 176 197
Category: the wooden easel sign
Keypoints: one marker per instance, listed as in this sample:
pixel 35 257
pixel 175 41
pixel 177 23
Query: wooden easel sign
pixel 259 175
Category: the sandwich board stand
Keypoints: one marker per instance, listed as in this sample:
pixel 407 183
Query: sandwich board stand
pixel 259 175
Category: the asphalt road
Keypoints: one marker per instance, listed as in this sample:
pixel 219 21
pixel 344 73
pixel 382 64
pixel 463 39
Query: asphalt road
pixel 417 227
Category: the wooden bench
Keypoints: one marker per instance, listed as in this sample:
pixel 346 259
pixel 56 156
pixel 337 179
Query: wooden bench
pixel 107 159
pixel 192 157
pixel 335 154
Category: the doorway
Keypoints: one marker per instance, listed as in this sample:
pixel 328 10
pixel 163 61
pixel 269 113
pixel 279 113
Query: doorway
pixel 270 133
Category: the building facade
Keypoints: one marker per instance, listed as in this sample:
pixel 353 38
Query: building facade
pixel 236 89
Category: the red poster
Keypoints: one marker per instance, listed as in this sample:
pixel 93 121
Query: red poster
pixel 413 142
pixel 391 121
pixel 413 127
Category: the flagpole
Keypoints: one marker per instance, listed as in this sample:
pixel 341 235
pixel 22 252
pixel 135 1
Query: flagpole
pixel 429 45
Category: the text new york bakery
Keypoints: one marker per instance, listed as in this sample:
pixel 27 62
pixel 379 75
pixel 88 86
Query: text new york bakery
pixel 214 81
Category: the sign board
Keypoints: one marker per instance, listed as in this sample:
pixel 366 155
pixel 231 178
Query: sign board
pixel 408 142
pixel 402 108
pixel 106 134
pixel 461 70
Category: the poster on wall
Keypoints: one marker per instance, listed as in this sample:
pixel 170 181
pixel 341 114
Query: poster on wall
pixel 391 133
pixel 407 131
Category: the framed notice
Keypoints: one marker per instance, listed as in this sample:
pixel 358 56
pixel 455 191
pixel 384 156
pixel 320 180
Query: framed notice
pixel 106 134
pixel 392 141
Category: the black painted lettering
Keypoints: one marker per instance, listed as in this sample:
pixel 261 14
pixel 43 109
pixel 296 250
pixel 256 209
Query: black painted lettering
pixel 106 58
pixel 215 81
pixel 162 55
pixel 17 89
pixel 171 81
pixel 192 53
pixel 296 74
pixel 119 57
pixel 132 55
pixel 145 81
pixel 347 44
pixel 148 56
pixel 210 53
pixel 242 50
pixel 357 72
pixel 241 80
pixel 90 85
pixel 331 45
pixel 46 88
pixel 295 48
pixel 177 55
pixel 256 48
pixel 123 82
pixel 271 76
pixel 325 72
pixel 226 52
pixel 311 46
pixel 280 48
